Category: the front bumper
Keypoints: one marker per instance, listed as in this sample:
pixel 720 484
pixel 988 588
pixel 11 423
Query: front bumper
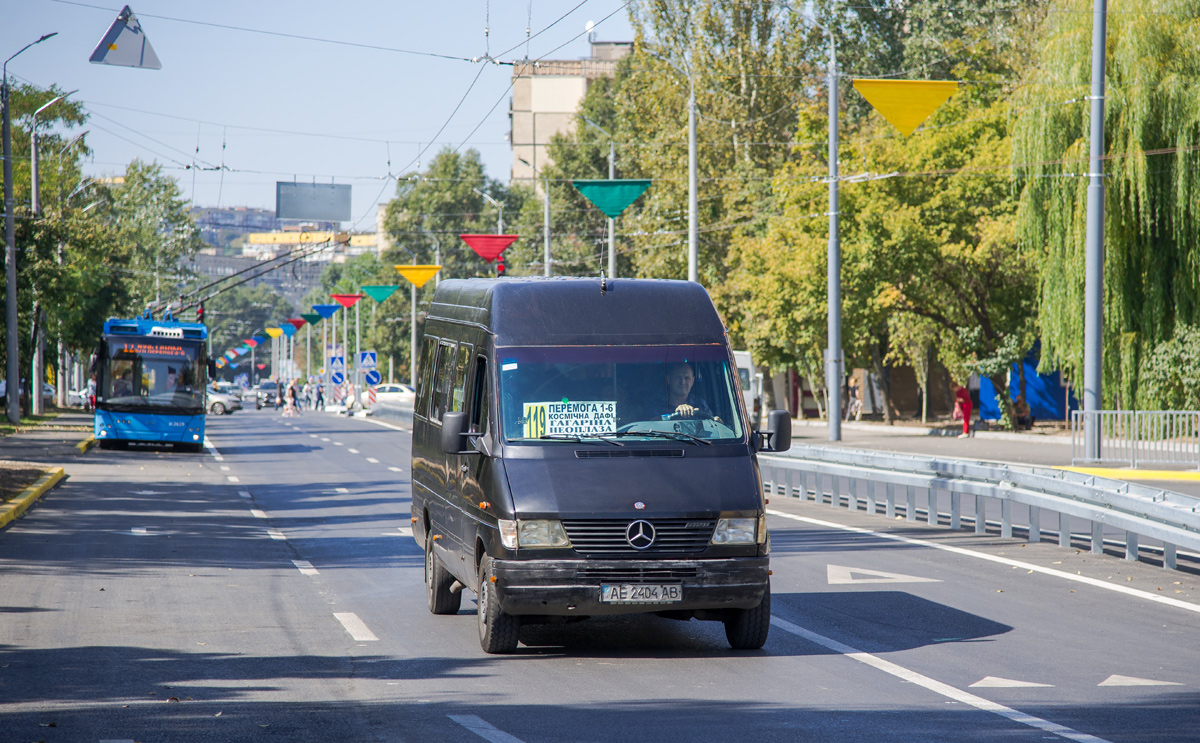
pixel 572 587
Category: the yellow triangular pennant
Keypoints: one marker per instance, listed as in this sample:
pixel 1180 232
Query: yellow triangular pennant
pixel 906 103
pixel 418 274
pixel 273 332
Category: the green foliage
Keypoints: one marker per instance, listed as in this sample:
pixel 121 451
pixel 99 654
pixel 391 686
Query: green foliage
pixel 1152 229
pixel 1169 376
pixel 240 312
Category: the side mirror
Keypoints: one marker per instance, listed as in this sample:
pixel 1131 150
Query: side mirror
pixel 779 431
pixel 455 438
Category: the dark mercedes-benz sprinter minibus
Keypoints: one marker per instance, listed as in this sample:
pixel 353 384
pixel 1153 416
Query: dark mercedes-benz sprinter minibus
pixel 580 448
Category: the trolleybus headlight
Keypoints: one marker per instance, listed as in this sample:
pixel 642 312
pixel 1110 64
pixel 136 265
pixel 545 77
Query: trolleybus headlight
pixel 735 531
pixel 542 533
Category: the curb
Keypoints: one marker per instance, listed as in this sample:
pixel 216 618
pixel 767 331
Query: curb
pixel 86 444
pixel 17 506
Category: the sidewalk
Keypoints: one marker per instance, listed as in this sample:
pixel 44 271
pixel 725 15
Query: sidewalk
pixel 49 447
pixel 50 443
pixel 1027 447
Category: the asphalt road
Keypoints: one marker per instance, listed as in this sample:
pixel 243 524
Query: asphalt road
pixel 272 592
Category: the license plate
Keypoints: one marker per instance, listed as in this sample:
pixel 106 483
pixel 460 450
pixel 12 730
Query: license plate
pixel 640 593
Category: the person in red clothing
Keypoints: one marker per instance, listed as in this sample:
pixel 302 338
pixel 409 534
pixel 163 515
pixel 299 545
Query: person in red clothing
pixel 962 401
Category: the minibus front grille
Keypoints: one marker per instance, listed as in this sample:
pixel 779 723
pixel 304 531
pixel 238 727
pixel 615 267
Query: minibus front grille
pixel 635 574
pixel 620 453
pixel 607 537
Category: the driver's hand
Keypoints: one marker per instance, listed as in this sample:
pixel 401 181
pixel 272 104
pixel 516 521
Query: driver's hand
pixel 685 411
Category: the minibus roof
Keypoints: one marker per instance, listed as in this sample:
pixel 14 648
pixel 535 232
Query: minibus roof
pixel 574 311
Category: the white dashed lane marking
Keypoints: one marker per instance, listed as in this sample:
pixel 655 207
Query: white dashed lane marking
pixel 244 493
pixel 484 730
pixel 395 469
pixel 139 530
pixel 276 534
pixel 258 514
pixel 372 460
pixel 305 567
pixel 352 451
pixel 232 478
pixel 355 626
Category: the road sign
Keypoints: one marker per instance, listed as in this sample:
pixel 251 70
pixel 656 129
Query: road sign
pixel 337 364
pixel 337 378
pixel 373 377
pixel 367 360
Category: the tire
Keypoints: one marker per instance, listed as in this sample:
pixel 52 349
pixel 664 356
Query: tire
pixel 440 598
pixel 218 408
pixel 497 631
pixel 746 629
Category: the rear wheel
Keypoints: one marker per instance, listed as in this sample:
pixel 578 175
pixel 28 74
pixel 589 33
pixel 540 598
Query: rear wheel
pixel 218 408
pixel 438 581
pixel 497 630
pixel 746 629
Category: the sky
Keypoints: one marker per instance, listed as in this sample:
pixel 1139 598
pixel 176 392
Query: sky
pixel 355 100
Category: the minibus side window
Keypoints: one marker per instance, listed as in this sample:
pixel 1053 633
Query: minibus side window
pixel 443 381
pixel 460 377
pixel 428 346
pixel 479 397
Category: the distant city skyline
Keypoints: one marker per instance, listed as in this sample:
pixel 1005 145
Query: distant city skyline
pixel 255 93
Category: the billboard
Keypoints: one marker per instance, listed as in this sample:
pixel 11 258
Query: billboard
pixel 321 202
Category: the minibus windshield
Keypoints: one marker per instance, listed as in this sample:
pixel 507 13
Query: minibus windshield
pixel 569 393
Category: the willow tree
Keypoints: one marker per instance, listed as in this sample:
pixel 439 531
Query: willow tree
pixel 1152 225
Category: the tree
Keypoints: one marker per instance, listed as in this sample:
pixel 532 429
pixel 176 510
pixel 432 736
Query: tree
pixel 1152 225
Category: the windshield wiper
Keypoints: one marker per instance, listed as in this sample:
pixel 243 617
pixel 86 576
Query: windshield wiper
pixel 673 435
pixel 577 439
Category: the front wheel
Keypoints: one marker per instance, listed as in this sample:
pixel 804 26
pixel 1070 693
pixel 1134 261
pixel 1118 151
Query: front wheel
pixel 438 580
pixel 746 629
pixel 497 630
pixel 218 408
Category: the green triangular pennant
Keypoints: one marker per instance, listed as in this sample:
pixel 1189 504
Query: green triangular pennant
pixel 382 292
pixel 612 197
pixel 312 318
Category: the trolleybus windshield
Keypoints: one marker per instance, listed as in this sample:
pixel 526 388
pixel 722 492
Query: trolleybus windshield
pixel 153 375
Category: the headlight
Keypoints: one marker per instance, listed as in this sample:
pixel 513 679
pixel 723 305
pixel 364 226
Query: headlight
pixel 735 531
pixel 508 533
pixel 542 533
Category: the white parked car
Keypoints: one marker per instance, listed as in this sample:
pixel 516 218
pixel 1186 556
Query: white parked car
pixel 220 403
pixel 395 393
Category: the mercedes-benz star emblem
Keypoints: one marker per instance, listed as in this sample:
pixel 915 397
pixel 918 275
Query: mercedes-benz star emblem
pixel 640 534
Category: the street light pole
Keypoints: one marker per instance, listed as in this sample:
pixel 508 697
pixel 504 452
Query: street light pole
pixel 612 223
pixel 1093 304
pixel 693 199
pixel 693 205
pixel 12 347
pixel 833 354
pixel 546 231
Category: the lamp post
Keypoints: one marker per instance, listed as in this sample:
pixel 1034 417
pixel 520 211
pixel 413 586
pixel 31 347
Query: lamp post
pixel 13 371
pixel 833 354
pixel 437 252
pixel 693 201
pixel 612 223
pixel 499 206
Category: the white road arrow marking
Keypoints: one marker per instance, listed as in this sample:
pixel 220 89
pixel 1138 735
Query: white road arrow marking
pixel 995 682
pixel 1115 680
pixel 839 575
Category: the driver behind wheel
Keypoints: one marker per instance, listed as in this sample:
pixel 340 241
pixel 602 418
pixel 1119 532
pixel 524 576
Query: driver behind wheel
pixel 680 402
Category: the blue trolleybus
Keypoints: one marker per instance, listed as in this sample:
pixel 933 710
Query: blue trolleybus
pixel 152 375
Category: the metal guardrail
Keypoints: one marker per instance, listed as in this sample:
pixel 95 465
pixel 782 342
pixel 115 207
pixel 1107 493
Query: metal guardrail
pixel 1140 511
pixel 1135 437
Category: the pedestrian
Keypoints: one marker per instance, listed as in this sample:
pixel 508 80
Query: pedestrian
pixel 962 403
pixel 1022 415
pixel 89 401
pixel 320 403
